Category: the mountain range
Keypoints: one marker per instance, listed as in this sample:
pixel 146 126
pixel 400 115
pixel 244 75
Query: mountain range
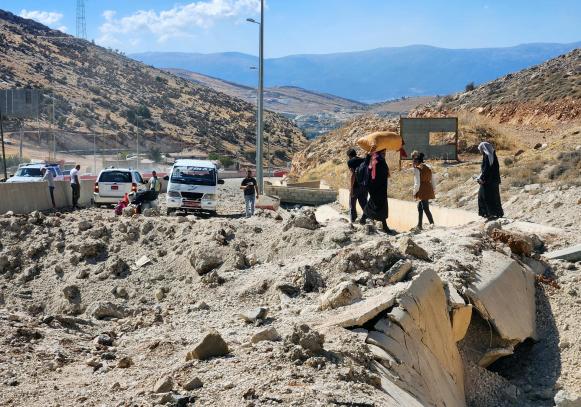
pixel 372 75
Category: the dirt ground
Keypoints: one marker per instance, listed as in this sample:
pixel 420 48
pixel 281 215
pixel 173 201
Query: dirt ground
pixel 81 324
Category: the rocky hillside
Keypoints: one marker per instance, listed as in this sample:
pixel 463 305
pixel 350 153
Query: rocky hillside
pixel 543 94
pixel 94 87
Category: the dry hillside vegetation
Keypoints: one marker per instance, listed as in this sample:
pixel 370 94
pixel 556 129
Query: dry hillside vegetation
pixel 94 87
pixel 541 97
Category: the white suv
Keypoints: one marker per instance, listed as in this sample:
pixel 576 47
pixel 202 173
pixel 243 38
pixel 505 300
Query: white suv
pixel 32 173
pixel 113 183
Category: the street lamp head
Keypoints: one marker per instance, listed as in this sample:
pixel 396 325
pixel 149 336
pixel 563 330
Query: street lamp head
pixel 251 20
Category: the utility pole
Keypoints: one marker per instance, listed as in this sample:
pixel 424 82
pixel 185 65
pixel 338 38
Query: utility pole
pixel 2 138
pixel 260 110
pixel 95 153
pixel 137 149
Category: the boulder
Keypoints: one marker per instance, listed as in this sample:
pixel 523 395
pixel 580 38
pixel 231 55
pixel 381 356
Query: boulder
pixel 344 293
pixel 518 244
pixel 503 292
pixel 267 334
pixel 125 362
pixel 408 247
pixel 211 345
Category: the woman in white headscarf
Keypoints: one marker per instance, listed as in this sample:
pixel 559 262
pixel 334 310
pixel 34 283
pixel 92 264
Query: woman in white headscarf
pixel 489 205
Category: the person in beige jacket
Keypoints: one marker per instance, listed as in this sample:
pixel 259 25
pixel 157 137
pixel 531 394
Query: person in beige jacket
pixel 424 187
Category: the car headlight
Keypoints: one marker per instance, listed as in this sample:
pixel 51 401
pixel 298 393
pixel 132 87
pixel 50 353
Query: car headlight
pixel 209 197
pixel 174 194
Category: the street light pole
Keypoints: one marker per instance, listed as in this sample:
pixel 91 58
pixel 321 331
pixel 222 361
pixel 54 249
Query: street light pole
pixel 260 109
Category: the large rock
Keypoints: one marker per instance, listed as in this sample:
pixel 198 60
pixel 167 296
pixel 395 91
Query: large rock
pixel 267 334
pixel 211 345
pixel 344 293
pixel 518 244
pixel 503 292
pixel 398 271
pixel 305 220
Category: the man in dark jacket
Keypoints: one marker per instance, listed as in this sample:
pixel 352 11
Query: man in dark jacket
pixel 357 193
pixel 377 207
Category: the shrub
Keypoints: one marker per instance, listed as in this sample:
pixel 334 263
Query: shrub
pixel 470 87
pixel 154 154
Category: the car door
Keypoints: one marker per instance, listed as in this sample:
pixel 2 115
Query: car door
pixel 139 181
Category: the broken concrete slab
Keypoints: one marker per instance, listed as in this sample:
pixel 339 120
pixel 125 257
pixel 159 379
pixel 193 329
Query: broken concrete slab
pixel 571 253
pixel 493 355
pixel 530 227
pixel 421 340
pixel 398 271
pixel 504 294
pixel 461 317
pixel 454 298
pixel 357 314
pixel 344 293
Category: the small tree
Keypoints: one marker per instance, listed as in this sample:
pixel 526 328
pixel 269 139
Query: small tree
pixel 144 112
pixel 470 87
pixel 154 154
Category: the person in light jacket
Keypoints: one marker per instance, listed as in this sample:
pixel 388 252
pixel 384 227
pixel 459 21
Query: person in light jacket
pixel 424 188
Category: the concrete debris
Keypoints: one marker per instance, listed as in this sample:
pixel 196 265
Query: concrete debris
pixel 163 385
pixel 106 309
pixel 206 261
pixel 304 220
pixel 571 253
pixel 408 247
pixel 345 293
pixel 211 345
pixel 566 399
pixel 125 362
pixel 193 384
pixel 307 338
pixel 398 271
pixel 422 343
pixel 254 314
pixel 267 334
pixel 142 261
pixel 502 284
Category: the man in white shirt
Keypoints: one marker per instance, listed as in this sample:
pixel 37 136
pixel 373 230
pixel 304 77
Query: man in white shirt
pixel 76 186
pixel 48 176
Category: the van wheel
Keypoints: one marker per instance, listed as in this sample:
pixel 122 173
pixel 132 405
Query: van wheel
pixel 213 213
pixel 169 211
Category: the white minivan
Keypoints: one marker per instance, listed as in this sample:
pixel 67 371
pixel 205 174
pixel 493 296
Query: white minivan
pixel 192 186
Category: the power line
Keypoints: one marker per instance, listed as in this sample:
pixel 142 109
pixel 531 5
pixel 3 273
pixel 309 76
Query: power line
pixel 81 21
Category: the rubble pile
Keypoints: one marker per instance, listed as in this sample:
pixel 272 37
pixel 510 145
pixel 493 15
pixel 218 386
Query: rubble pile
pixel 281 310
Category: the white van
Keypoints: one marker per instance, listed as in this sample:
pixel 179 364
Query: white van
pixel 113 183
pixel 192 186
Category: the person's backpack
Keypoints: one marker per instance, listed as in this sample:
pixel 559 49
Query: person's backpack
pixel 362 175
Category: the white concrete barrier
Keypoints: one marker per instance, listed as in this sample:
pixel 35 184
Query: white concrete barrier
pixel 26 197
pixel 403 215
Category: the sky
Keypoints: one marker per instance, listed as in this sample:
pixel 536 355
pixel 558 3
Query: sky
pixel 310 26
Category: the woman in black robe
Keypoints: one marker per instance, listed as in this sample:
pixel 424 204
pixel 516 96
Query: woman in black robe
pixel 376 207
pixel 489 205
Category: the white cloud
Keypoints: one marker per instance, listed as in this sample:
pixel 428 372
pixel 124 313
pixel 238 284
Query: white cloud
pixel 172 23
pixel 44 17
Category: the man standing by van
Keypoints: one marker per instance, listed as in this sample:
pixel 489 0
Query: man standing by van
pixel 76 186
pixel 49 177
pixel 154 184
pixel 250 189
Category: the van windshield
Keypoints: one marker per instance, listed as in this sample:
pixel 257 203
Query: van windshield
pixel 194 176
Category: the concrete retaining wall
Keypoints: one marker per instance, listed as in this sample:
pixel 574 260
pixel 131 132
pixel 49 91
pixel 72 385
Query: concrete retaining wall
pixel 26 197
pixel 304 196
pixel 403 215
